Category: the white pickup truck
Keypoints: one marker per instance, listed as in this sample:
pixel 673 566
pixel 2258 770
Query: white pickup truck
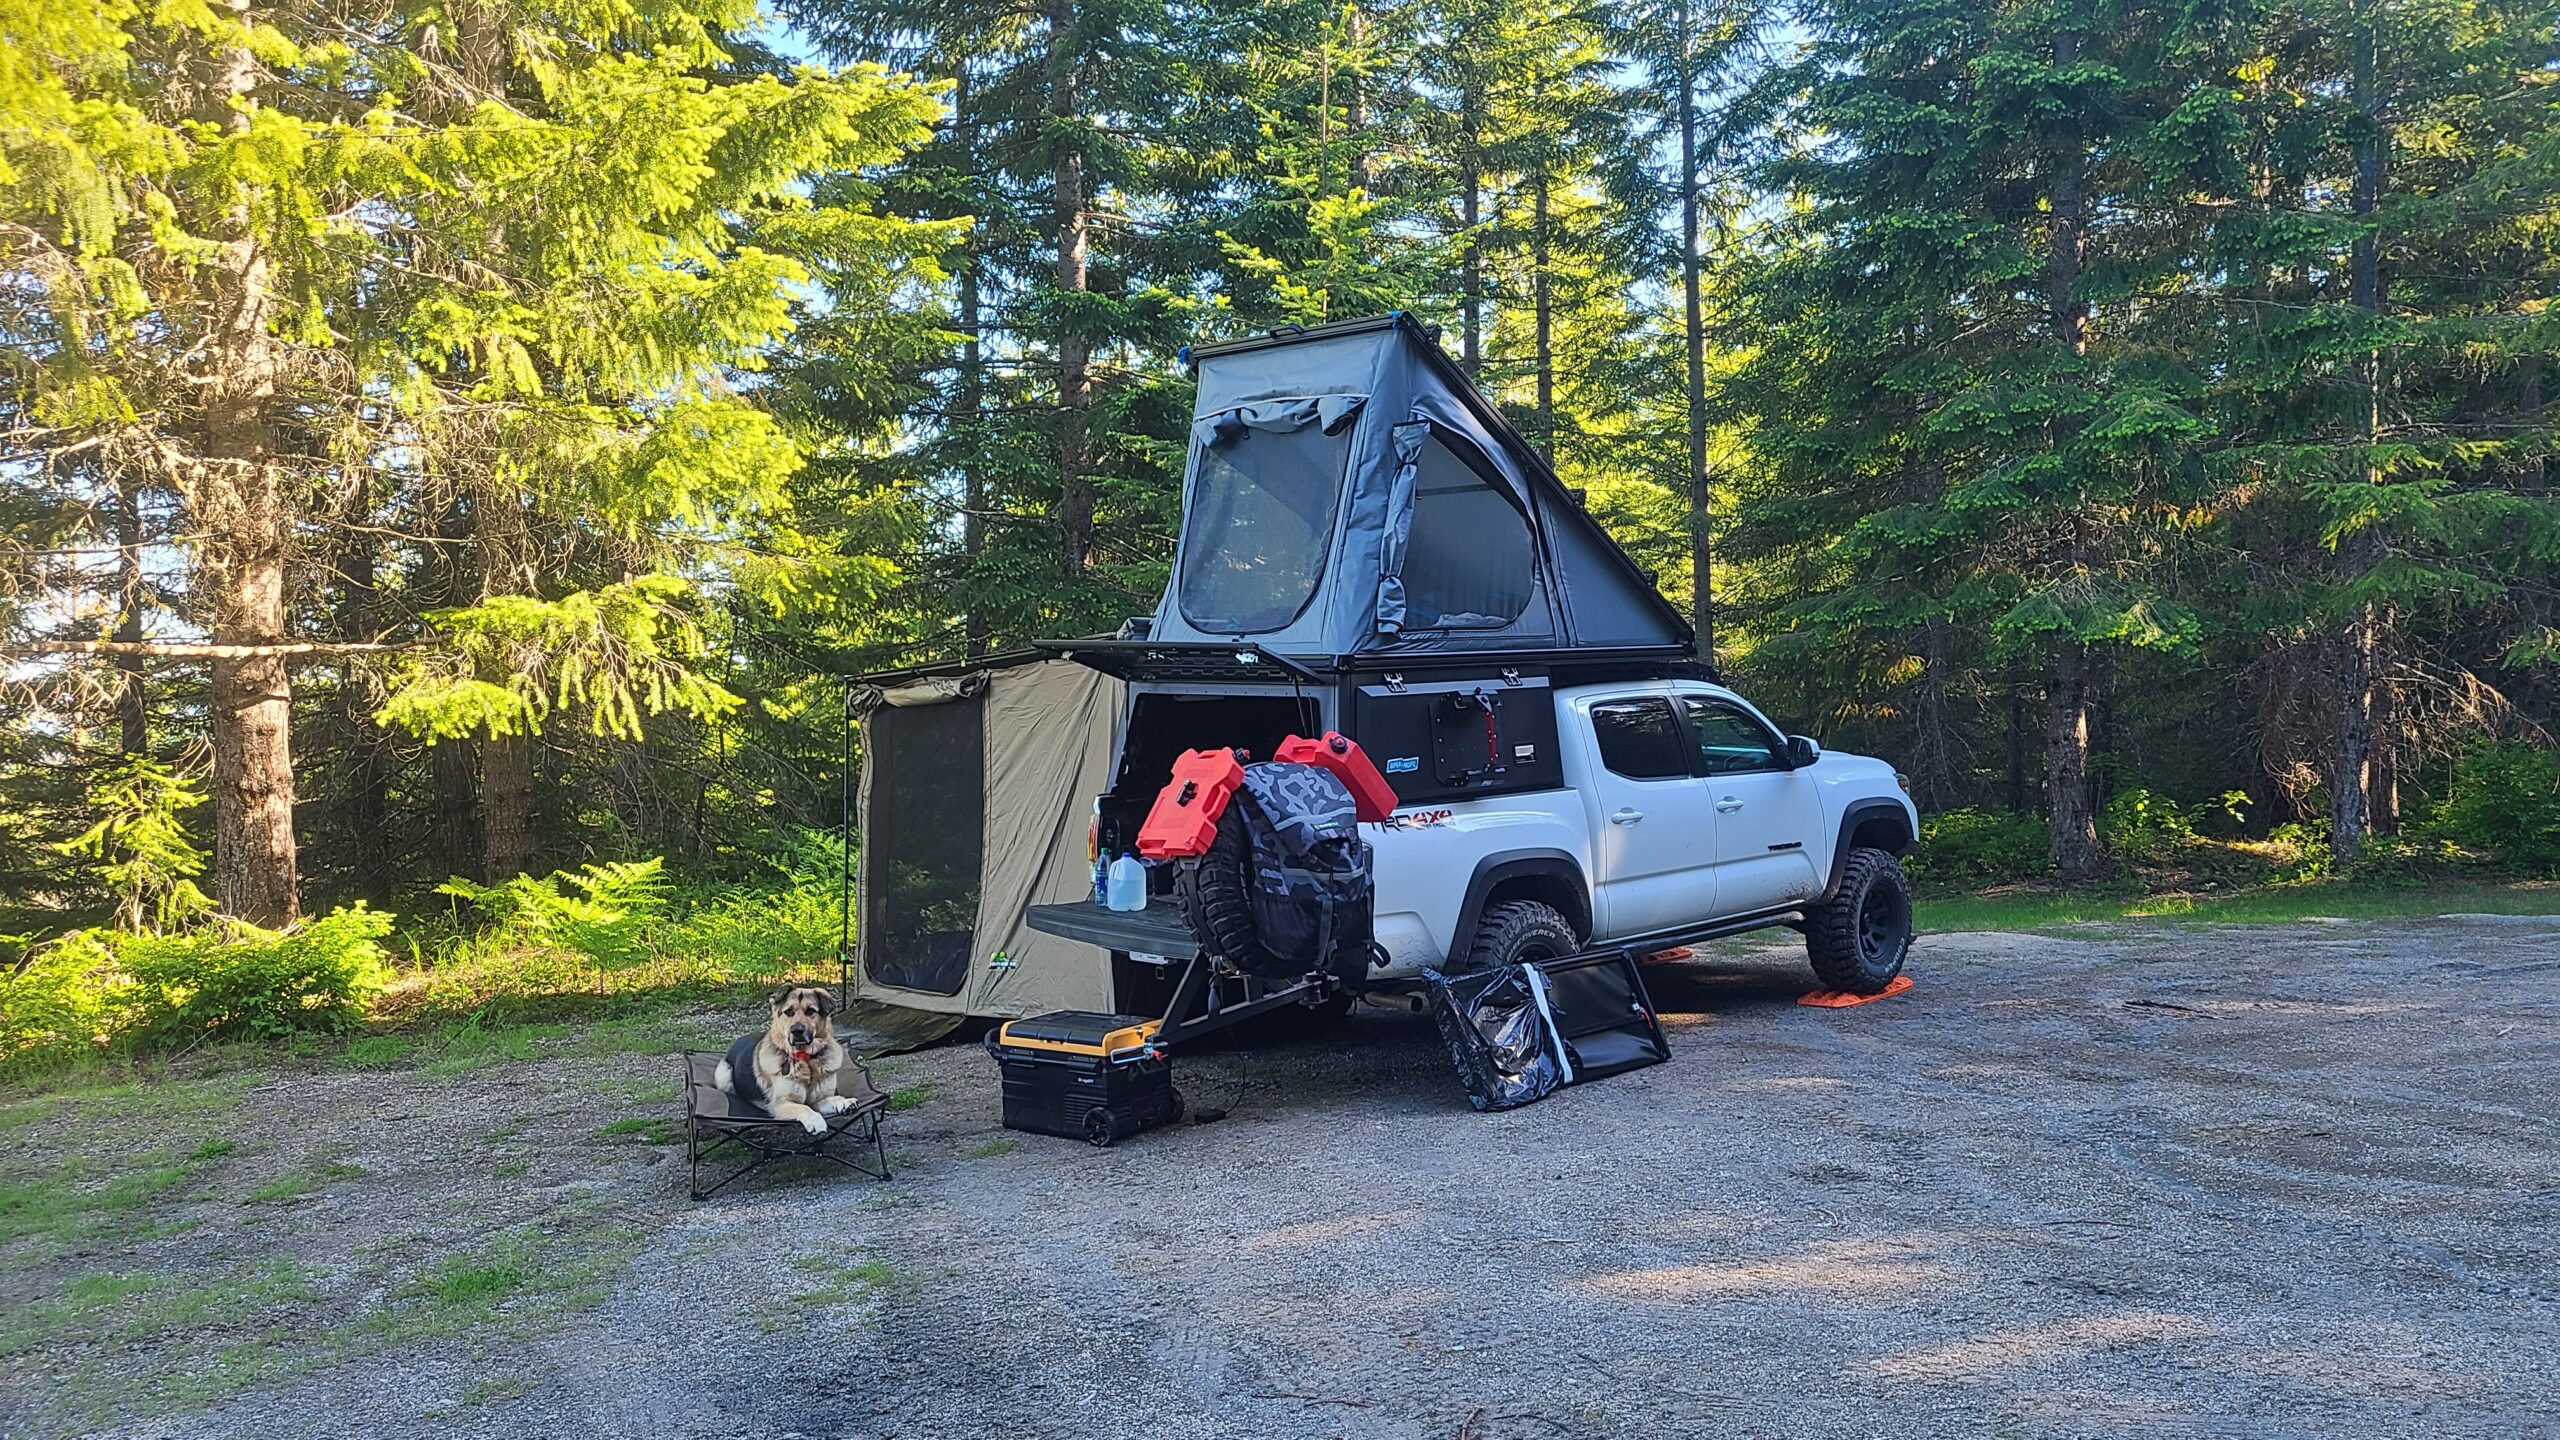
pixel 1682 811
pixel 1642 813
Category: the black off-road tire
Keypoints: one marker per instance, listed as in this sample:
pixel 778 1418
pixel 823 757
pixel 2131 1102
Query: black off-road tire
pixel 1859 938
pixel 1212 890
pixel 1520 930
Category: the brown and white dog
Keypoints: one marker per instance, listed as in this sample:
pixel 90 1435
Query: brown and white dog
pixel 792 1068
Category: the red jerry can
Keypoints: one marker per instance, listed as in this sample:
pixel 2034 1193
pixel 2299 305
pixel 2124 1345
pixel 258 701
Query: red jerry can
pixel 1373 798
pixel 1185 816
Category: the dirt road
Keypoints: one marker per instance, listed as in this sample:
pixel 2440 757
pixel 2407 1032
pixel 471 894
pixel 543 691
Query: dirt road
pixel 2298 1181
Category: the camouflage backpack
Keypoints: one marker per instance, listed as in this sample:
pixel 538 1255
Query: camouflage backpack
pixel 1287 887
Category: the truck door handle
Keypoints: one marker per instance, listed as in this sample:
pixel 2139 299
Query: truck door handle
pixel 1626 817
pixel 1728 805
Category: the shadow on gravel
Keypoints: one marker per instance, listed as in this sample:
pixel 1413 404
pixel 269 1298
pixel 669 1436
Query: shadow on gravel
pixel 1693 989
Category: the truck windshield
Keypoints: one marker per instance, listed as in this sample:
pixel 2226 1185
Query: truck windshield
pixel 1261 520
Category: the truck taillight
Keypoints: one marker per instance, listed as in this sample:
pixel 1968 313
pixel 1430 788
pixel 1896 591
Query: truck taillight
pixel 1093 839
pixel 1902 780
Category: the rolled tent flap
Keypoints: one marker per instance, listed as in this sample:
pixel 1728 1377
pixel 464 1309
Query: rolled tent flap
pixel 1225 427
pixel 1397 529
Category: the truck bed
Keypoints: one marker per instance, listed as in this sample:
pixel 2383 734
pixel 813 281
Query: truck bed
pixel 1157 930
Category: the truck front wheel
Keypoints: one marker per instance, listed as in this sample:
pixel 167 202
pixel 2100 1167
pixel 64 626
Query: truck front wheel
pixel 1859 938
pixel 1518 931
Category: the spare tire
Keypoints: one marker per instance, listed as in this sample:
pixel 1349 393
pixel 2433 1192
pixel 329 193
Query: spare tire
pixel 1214 890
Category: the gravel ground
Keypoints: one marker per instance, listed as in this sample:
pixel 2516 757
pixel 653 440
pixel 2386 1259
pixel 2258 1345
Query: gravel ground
pixel 2282 1181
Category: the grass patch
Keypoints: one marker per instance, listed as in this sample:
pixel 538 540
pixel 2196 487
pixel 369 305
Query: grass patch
pixel 2042 909
pixel 381 1052
pixel 490 1392
pixel 460 1283
pixel 128 1308
pixel 295 1184
pixel 641 1129
pixel 476 1043
pixel 64 1207
pixel 912 1097
pixel 857 1283
pixel 521 1283
pixel 991 1147
pixel 292 1185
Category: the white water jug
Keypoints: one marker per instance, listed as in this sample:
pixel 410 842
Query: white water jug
pixel 1128 886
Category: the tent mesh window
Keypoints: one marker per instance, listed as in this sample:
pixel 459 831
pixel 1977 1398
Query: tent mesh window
pixel 923 843
pixel 1261 519
pixel 1469 564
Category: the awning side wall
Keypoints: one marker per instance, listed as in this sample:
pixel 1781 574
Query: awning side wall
pixel 1048 749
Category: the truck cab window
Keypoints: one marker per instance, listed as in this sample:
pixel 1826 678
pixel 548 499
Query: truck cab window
pixel 1259 526
pixel 1731 742
pixel 1640 740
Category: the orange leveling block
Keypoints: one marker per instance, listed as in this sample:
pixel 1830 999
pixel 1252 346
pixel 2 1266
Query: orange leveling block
pixel 1842 999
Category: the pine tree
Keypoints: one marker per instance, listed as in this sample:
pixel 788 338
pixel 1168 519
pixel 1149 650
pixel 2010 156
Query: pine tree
pixel 275 270
pixel 1979 180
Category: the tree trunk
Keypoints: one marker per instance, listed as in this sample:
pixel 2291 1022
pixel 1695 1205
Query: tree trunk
pixel 2070 815
pixel 974 629
pixel 1701 567
pixel 454 765
pixel 240 510
pixel 1542 294
pixel 2348 822
pixel 1471 258
pixel 1076 497
pixel 1933 767
pixel 2017 742
pixel 2071 825
pixel 1355 115
pixel 506 761
pixel 360 693
pixel 2366 718
pixel 133 712
pixel 2541 677
pixel 2382 772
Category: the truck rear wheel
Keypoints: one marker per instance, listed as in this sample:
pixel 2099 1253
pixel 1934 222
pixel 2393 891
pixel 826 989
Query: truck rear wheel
pixel 1859 938
pixel 1518 931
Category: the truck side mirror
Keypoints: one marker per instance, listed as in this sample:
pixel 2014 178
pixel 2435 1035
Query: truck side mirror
pixel 1802 751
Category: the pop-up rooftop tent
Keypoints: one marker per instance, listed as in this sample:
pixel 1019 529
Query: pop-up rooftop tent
pixel 977 781
pixel 1350 494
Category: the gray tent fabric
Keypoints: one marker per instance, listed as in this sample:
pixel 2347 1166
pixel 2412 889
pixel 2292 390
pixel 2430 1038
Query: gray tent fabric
pixel 1395 395
pixel 1043 731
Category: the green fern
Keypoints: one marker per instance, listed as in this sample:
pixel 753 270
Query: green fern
pixel 607 912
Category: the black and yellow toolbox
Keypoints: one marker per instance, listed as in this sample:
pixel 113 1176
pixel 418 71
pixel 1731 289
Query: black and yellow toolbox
pixel 1083 1075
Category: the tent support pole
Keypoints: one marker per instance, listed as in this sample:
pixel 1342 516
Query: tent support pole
pixel 844 879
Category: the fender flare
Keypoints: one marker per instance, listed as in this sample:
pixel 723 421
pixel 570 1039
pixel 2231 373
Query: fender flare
pixel 1505 865
pixel 1858 813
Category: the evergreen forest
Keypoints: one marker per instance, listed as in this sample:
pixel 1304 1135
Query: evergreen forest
pixel 453 453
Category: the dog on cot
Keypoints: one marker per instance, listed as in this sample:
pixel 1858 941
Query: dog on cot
pixel 791 1070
